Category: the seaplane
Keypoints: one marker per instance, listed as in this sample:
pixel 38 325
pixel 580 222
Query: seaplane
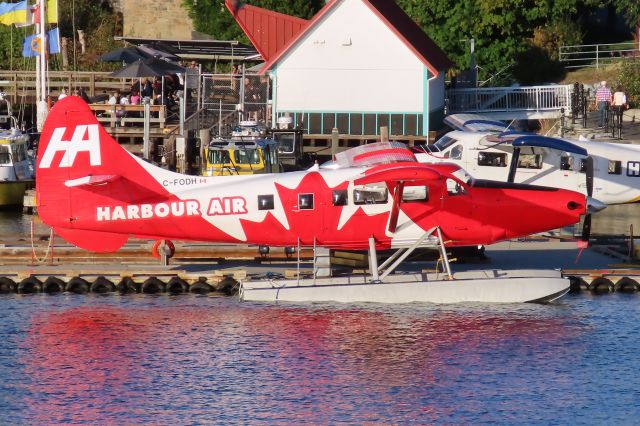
pixel 95 195
pixel 488 149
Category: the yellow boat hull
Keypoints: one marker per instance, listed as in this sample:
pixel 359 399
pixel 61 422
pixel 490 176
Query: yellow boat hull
pixel 12 193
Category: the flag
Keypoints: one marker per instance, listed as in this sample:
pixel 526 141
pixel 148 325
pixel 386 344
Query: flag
pixel 31 14
pixel 53 40
pixel 13 13
pixel 32 45
pixel 52 11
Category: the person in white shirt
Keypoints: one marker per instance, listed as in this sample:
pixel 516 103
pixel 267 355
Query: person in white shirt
pixel 63 94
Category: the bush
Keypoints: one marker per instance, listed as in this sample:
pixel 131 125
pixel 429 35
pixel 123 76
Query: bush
pixel 629 78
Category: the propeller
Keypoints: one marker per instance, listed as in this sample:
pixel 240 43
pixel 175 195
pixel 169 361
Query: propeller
pixel 592 205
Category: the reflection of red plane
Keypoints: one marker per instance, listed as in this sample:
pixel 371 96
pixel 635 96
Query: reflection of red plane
pixel 95 194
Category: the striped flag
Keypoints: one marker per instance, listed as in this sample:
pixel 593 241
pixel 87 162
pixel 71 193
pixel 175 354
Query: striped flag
pixel 13 13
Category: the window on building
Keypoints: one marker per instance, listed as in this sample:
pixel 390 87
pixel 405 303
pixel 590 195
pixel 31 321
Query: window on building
pixel 265 202
pixel 340 197
pixel 305 201
pixel 493 159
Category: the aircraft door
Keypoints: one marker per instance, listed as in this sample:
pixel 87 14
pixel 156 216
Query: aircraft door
pixel 456 209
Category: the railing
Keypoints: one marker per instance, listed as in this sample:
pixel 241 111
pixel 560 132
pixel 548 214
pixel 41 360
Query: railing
pixel 22 84
pixel 531 99
pixel 121 115
pixel 595 55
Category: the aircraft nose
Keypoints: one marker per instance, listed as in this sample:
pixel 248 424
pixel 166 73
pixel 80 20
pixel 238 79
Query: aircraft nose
pixel 594 205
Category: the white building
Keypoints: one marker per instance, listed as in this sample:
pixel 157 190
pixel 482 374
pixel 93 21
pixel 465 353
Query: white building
pixel 359 65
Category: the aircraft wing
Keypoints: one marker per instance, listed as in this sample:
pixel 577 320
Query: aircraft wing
pixel 398 173
pixel 523 139
pixel 474 123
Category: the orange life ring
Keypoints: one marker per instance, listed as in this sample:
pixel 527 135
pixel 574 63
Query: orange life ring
pixel 156 246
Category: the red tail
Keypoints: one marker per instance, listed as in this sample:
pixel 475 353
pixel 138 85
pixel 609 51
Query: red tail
pixel 76 160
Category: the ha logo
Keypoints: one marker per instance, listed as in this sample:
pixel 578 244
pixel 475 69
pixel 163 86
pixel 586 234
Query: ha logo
pixel 71 148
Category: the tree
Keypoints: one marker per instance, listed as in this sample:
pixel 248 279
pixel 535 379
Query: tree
pixel 212 17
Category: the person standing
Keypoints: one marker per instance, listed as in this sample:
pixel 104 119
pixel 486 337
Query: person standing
pixel 603 100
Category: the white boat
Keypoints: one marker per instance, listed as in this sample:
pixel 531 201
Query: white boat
pixel 17 171
pixel 16 168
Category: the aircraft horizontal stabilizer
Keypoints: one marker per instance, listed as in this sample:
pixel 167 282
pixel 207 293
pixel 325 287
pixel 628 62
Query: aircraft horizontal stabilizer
pixel 91 180
pixel 100 242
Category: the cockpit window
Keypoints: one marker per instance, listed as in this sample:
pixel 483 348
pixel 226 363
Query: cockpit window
pixel 494 159
pixel 454 187
pixel 456 152
pixel 444 142
pixel 530 161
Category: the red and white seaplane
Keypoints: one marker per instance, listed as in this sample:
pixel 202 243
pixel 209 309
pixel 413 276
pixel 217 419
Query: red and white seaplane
pixel 95 195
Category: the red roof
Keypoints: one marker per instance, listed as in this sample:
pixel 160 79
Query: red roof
pixel 397 20
pixel 268 31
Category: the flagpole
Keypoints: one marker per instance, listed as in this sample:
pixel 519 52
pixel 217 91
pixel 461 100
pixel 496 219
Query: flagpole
pixel 42 108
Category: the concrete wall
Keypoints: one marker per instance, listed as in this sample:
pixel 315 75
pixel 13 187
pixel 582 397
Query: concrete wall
pixel 161 19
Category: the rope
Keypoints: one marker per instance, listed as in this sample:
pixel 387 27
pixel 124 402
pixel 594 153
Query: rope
pixel 33 248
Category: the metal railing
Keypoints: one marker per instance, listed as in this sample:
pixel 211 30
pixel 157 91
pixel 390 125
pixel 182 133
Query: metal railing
pixel 596 55
pixel 228 98
pixel 535 99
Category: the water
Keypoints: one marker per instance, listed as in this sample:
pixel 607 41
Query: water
pixel 69 359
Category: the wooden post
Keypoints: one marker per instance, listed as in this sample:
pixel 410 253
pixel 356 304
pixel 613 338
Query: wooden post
pixel 384 134
pixel 335 141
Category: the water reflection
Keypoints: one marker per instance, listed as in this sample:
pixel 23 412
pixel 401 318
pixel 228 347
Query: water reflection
pixel 157 362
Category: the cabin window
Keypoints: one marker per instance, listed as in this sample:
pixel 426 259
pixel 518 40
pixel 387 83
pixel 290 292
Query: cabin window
pixel 370 195
pixel 615 167
pixel 340 197
pixel 566 162
pixel 493 159
pixel 454 187
pixel 218 156
pixel 445 142
pixel 415 194
pixel 530 161
pixel 583 165
pixel 5 158
pixel 247 156
pixel 286 142
pixel 265 202
pixel 456 153
pixel 305 201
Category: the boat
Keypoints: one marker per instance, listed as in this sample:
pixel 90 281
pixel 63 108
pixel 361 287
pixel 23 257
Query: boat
pixel 246 152
pixel 17 171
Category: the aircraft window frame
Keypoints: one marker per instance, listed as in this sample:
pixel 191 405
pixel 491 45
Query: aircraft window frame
pixel 340 197
pixel 616 169
pixel 305 201
pixel 371 195
pixel 286 142
pixel 417 199
pixel 247 156
pixel 218 156
pixel 456 152
pixel 583 165
pixel 444 142
pixel 5 155
pixel 492 159
pixel 566 162
pixel 454 188
pixel 265 202
pixel 534 161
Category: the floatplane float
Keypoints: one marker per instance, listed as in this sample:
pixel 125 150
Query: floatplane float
pixel 95 194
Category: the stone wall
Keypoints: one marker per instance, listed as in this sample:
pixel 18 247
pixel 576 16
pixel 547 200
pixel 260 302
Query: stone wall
pixel 159 19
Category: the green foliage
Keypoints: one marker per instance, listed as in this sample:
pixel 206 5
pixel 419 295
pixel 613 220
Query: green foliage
pixel 630 9
pixel 629 78
pixel 212 17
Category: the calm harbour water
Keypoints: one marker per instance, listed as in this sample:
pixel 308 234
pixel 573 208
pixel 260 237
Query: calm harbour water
pixel 70 359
